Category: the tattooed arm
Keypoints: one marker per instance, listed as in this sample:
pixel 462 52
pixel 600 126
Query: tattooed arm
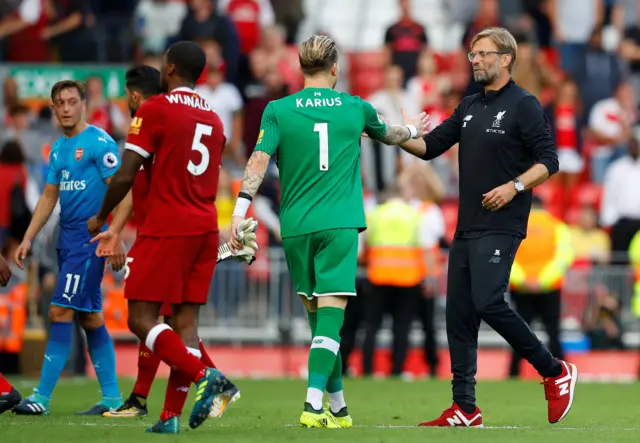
pixel 253 176
pixel 378 129
pixel 395 135
pixel 266 146
pixel 254 172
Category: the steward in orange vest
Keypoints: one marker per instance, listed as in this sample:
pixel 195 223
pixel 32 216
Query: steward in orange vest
pixel 537 273
pixel 13 318
pixel 395 271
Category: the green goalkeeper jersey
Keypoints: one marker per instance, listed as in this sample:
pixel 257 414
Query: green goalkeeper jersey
pixel 316 136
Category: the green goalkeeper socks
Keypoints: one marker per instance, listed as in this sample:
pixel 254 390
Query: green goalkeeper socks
pixel 334 384
pixel 334 388
pixel 313 322
pixel 325 349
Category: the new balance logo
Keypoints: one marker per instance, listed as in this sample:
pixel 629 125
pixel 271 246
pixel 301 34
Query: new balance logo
pixel 183 388
pixel 466 119
pixel 564 388
pixel 496 257
pixel 460 420
pixel 317 341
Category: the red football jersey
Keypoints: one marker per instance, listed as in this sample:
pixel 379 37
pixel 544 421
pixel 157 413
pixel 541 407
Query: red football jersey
pixel 185 137
pixel 140 192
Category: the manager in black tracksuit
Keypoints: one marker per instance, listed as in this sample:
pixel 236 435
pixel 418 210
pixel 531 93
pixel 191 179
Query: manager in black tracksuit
pixel 505 150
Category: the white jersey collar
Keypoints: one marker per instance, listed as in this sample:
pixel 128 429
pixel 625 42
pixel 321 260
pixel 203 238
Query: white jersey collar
pixel 183 89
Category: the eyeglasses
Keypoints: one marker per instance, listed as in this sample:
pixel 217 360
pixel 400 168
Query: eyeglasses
pixel 483 54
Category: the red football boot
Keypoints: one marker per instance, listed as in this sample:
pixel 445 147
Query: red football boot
pixel 559 391
pixel 456 417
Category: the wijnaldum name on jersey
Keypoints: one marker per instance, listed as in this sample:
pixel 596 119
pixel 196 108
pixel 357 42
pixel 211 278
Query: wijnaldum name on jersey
pixel 189 100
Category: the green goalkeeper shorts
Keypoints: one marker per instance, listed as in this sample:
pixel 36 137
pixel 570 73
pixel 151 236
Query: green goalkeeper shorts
pixel 323 263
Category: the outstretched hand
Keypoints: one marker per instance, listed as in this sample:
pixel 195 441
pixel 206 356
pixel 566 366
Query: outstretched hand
pixel 422 122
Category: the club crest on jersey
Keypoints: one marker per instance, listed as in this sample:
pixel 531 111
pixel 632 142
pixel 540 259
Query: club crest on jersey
pixel 79 154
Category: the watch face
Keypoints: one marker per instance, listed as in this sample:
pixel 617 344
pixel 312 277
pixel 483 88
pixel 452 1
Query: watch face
pixel 519 187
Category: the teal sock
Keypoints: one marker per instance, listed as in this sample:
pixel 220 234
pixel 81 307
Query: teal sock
pixel 334 384
pixel 334 387
pixel 325 347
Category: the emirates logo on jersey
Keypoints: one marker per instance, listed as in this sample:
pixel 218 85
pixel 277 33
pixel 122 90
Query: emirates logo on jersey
pixel 79 154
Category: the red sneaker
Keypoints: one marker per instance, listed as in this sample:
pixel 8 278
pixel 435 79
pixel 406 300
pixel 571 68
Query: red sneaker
pixel 559 391
pixel 456 417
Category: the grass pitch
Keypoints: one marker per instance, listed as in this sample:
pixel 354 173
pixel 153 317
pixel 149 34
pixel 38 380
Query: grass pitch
pixel 383 411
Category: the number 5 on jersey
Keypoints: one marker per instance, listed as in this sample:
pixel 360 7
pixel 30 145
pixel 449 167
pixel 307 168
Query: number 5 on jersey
pixel 127 268
pixel 323 131
pixel 197 145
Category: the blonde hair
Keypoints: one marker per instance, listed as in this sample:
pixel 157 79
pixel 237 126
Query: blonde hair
pixel 503 39
pixel 317 54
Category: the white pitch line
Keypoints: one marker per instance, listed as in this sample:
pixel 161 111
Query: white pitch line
pixel 141 424
pixel 45 423
pixel 538 428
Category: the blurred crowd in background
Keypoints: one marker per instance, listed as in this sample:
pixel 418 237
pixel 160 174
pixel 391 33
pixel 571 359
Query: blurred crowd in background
pixel 580 58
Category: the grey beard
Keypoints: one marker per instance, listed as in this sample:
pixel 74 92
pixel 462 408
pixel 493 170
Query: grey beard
pixel 485 79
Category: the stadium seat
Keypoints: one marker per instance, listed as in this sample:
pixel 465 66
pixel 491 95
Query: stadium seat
pixel 572 215
pixel 557 210
pixel 550 192
pixel 366 60
pixel 366 83
pixel 587 194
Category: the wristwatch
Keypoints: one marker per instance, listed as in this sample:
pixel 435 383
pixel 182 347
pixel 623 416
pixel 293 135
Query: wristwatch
pixel 518 185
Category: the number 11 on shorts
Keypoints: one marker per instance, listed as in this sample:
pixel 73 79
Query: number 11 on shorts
pixel 323 130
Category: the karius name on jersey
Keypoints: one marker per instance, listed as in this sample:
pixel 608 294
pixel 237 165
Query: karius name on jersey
pixel 66 184
pixel 318 102
pixel 193 101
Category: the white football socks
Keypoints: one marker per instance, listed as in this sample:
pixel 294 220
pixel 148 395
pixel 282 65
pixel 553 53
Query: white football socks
pixel 337 401
pixel 314 398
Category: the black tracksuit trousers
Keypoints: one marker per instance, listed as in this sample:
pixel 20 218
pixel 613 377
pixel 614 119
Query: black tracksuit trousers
pixel 477 280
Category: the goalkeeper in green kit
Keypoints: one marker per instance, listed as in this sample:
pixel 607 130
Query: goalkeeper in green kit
pixel 316 136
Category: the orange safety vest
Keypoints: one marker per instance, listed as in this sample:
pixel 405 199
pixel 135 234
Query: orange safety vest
pixel 393 255
pixel 114 306
pixel 13 318
pixel 433 252
pixel 539 248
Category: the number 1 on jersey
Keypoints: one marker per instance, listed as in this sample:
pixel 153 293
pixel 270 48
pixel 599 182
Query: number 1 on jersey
pixel 323 130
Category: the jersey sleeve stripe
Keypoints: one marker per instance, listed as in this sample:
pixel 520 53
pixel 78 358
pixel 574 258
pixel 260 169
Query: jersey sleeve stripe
pixel 137 149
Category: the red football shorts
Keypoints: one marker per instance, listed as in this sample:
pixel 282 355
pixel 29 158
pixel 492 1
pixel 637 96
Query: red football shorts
pixel 171 270
pixel 166 310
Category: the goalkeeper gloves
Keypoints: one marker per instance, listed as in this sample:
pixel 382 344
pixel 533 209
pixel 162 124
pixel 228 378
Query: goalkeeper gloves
pixel 247 235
